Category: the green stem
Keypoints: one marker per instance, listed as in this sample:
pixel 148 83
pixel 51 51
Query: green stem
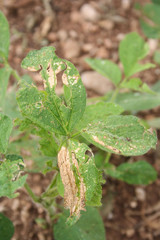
pixel 114 94
pixel 51 187
pixel 15 75
pixel 116 91
pixel 31 194
pixel 108 155
pixel 76 134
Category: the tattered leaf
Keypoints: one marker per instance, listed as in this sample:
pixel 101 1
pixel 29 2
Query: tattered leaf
pixel 4 37
pixel 74 188
pixel 98 111
pixel 132 49
pixel 80 177
pixel 50 66
pixel 107 68
pixel 121 135
pixel 6 228
pixel 92 177
pixel 10 175
pixel 139 172
pixel 90 226
pixel 5 131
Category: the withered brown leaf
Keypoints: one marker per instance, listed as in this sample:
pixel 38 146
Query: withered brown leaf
pixel 74 194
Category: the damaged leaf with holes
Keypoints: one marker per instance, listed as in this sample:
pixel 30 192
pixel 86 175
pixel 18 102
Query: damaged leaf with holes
pixel 45 108
pixel 124 135
pixel 11 178
pixel 80 177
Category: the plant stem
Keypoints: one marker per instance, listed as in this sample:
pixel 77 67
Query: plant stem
pixel 108 155
pixel 15 75
pixel 31 194
pixel 116 91
pixel 114 94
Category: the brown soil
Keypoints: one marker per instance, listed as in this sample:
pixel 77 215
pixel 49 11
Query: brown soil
pixel 34 24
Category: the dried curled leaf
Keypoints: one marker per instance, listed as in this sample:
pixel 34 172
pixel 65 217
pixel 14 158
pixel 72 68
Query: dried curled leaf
pixel 74 188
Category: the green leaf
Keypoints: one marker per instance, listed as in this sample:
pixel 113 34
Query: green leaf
pixel 157 57
pixel 107 68
pixel 92 177
pixel 156 87
pixel 100 159
pixel 150 31
pixel 4 37
pixel 48 146
pixel 152 12
pixel 156 2
pixel 138 101
pixel 65 117
pixel 139 172
pixel 89 227
pixel 10 107
pixel 6 228
pixel 40 109
pixel 139 68
pixel 60 186
pixel 121 135
pixel 99 111
pixel 4 77
pixel 10 175
pixel 137 85
pixel 5 131
pixel 132 49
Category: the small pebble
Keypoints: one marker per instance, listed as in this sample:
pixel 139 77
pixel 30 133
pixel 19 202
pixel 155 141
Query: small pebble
pixel 133 204
pixel 71 48
pixel 89 13
pixel 96 82
pixel 140 194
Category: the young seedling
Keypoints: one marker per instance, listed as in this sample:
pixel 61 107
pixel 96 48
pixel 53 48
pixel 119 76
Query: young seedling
pixel 66 127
